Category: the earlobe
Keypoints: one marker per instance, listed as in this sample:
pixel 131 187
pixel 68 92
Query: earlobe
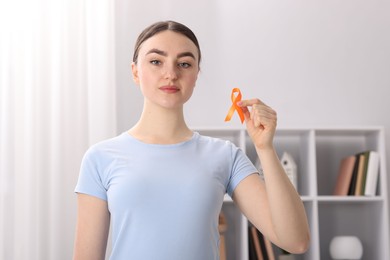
pixel 134 70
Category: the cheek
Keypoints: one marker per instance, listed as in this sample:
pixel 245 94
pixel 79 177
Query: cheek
pixel 193 79
pixel 146 77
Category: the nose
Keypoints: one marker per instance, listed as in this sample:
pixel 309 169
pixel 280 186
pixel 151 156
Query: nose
pixel 171 72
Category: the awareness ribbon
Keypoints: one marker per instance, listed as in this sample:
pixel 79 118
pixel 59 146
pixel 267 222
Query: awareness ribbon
pixel 235 99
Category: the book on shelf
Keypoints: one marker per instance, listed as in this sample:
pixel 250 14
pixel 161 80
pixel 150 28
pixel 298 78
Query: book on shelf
pixel 262 244
pixel 269 249
pixel 255 250
pixel 260 248
pixel 344 177
pixel 352 185
pixel 365 171
pixel 252 250
pixel 361 173
pixel 358 175
pixel 222 227
pixel 372 174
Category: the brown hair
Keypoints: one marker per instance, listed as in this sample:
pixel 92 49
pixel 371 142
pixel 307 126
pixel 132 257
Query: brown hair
pixel 164 26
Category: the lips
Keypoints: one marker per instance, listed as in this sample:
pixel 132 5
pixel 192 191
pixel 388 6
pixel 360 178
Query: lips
pixel 169 89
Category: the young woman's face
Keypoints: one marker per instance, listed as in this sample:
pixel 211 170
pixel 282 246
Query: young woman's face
pixel 167 69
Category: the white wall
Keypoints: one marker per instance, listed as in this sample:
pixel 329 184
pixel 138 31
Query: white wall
pixel 317 63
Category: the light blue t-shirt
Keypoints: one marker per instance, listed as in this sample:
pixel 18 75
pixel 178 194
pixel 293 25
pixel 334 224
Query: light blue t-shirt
pixel 164 200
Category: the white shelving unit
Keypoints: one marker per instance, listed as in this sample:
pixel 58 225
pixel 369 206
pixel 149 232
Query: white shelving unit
pixel 317 152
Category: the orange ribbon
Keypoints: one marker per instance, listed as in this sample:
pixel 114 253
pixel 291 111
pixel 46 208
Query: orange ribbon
pixel 235 99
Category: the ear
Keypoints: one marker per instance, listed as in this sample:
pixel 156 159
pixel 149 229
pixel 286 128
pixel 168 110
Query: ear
pixel 197 75
pixel 134 70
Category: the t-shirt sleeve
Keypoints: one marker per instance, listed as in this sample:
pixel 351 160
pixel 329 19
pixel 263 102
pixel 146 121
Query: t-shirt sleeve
pixel 241 168
pixel 90 180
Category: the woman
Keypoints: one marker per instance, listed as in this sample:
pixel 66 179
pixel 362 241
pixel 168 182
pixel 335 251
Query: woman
pixel 161 185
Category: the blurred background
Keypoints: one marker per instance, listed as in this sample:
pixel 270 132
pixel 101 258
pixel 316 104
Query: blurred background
pixel 65 83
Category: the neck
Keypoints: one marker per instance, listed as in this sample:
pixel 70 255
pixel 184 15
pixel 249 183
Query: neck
pixel 161 126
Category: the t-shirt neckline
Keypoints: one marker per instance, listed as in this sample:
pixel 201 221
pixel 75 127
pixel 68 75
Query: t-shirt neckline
pixel 194 136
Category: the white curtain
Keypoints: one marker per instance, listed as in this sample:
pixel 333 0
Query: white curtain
pixel 57 97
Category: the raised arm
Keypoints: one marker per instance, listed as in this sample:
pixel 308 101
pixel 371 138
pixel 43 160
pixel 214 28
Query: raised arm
pixel 93 222
pixel 272 205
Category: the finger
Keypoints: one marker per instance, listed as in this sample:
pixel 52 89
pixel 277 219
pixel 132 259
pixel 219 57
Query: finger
pixel 249 102
pixel 263 109
pixel 263 115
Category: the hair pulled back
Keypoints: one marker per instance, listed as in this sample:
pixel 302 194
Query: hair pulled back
pixel 164 26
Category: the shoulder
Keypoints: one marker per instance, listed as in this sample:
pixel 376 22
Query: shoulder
pixel 215 141
pixel 106 147
pixel 218 145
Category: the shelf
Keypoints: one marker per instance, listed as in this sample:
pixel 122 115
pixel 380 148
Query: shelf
pixel 333 145
pixel 317 153
pixel 307 198
pixel 349 199
pixel 299 144
pixel 357 219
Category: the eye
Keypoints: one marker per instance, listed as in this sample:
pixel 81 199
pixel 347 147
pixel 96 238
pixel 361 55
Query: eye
pixel 155 62
pixel 184 65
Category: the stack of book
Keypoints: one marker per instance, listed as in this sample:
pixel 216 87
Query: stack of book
pixel 222 227
pixel 358 175
pixel 260 248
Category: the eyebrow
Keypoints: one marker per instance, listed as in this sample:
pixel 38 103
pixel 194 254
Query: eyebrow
pixel 163 53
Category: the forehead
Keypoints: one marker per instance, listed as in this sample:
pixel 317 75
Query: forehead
pixel 169 41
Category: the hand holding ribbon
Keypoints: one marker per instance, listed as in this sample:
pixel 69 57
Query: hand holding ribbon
pixel 260 119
